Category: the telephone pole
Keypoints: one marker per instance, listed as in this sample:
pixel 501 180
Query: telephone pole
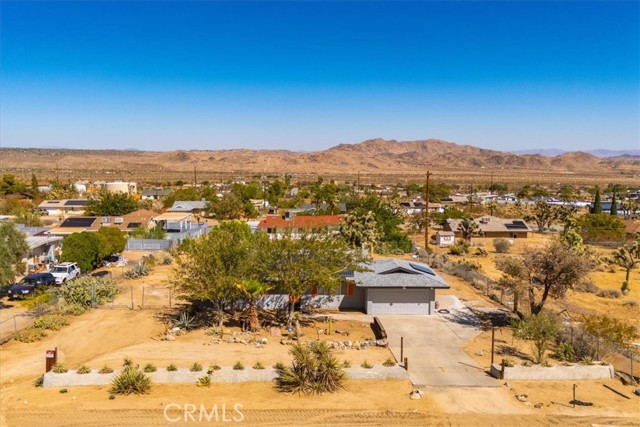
pixel 426 212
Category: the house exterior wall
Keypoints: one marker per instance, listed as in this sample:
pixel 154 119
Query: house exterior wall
pixel 340 300
pixel 445 240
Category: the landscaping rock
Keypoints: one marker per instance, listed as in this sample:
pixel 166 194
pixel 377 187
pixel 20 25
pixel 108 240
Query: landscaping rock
pixel 264 341
pixel 521 397
pixel 347 344
pixel 169 337
pixel 415 395
pixel 382 343
pixel 356 345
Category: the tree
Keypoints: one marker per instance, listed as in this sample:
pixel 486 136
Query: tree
pixel 112 241
pixel 623 256
pixel 597 202
pixel 610 330
pixel 542 215
pixel 111 204
pixel 600 227
pixel 34 186
pixel 9 185
pixel 614 204
pixel 214 265
pixel 540 328
pixel 298 264
pixel 469 228
pixel 514 278
pixel 253 289
pixel 12 249
pixel 82 248
pixel 359 230
pixel 550 271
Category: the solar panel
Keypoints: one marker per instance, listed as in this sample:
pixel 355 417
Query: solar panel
pixel 133 225
pixel 76 203
pixel 346 273
pixel 78 222
pixel 516 225
pixel 422 268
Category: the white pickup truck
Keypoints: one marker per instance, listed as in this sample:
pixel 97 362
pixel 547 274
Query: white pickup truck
pixel 65 271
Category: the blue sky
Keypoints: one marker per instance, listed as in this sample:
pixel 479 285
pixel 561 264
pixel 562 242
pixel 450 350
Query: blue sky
pixel 310 75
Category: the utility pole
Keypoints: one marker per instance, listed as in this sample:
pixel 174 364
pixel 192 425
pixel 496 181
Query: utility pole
pixel 426 212
pixel 195 177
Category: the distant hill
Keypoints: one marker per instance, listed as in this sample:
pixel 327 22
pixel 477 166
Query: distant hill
pixel 552 152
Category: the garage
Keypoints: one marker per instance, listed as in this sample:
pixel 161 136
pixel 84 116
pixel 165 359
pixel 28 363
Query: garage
pixel 400 301
pixel 394 286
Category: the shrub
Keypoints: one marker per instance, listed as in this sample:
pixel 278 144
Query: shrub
pixel 542 329
pixel 278 366
pixel 172 367
pixel 30 335
pixel 185 321
pixel 196 367
pixel 112 396
pixel 587 361
pixel 204 381
pixel 82 290
pixel 40 298
pixel 51 322
pixel 389 362
pixel 213 368
pixel 258 365
pixel 314 369
pixel 84 369
pixel 587 285
pixel 238 366
pixel 502 246
pixel 625 288
pixel 565 352
pixel 631 303
pixel 508 362
pixel 482 252
pixel 137 271
pixel 58 368
pixel 63 391
pixel 149 367
pixel 167 260
pixel 127 362
pixel 609 293
pixel 130 381
pixel 346 364
pixel 458 249
pixel 71 309
pixel 150 261
pixel 366 365
pixel 39 382
pixel 106 370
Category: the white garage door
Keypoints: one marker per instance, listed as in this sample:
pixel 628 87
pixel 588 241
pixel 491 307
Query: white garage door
pixel 399 301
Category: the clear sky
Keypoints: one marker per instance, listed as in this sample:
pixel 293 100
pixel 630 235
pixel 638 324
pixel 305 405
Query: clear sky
pixel 310 75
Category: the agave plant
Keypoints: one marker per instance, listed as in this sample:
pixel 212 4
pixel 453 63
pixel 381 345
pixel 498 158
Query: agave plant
pixel 130 381
pixel 185 321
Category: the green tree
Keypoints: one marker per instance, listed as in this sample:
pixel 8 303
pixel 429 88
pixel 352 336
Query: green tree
pixel 469 228
pixel 111 204
pixel 600 227
pixel 614 204
pixel 610 330
pixel 112 241
pixel 9 185
pixel 253 289
pixel 597 202
pixel 514 278
pixel 34 186
pixel 214 265
pixel 540 328
pixel 542 215
pixel 297 264
pixel 82 248
pixel 360 230
pixel 550 271
pixel 12 249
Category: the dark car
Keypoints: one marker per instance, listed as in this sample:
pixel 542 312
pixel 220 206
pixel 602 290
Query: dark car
pixel 30 284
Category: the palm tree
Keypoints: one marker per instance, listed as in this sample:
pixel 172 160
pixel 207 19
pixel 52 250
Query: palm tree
pixel 253 289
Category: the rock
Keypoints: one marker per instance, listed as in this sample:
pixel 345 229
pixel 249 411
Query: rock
pixel 74 398
pixel 264 341
pixel 538 405
pixel 231 340
pixel 175 330
pixel 347 344
pixel 26 402
pixel 170 337
pixel 521 397
pixel 382 343
pixel 356 345
pixel 506 384
pixel 258 345
pixel 415 395
pixel 479 353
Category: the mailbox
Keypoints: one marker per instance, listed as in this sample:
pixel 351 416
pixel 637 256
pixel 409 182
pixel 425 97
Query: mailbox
pixel 51 358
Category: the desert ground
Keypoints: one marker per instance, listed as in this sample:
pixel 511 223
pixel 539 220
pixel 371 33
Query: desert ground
pixel 108 335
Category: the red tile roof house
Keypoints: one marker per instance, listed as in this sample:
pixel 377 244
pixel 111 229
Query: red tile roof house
pixel 275 225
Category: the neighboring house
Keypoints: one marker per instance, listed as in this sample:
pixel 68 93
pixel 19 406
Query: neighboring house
pixel 42 250
pixel 64 207
pixel 500 199
pixel 129 222
pixel 175 222
pixel 632 228
pixel 155 194
pixel 494 227
pixel 191 206
pixel 275 225
pixel 75 224
pixel 445 238
pixel 311 207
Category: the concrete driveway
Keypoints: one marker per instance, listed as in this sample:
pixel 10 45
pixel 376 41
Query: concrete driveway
pixel 434 346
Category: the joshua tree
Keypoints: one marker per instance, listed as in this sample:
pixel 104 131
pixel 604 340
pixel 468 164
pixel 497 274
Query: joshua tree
pixel 469 228
pixel 624 257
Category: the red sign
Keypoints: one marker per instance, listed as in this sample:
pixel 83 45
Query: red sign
pixel 51 354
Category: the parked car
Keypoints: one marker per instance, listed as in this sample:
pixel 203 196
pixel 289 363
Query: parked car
pixel 65 271
pixel 30 284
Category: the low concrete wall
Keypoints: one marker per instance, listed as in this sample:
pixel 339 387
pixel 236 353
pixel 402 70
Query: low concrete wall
pixel 572 372
pixel 224 375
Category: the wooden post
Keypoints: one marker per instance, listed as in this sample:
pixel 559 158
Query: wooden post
pixel 574 395
pixel 406 363
pixel 503 365
pixel 493 341
pixel 401 348
pixel 426 212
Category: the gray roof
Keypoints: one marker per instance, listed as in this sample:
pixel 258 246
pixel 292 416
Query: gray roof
pixel 342 207
pixel 397 273
pixel 187 205
pixel 489 224
pixel 37 241
pixel 157 192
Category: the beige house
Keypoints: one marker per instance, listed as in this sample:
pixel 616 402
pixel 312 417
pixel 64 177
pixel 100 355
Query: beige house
pixel 494 227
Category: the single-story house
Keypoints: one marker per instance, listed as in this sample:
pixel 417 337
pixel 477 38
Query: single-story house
pixel 75 224
pixel 191 206
pixel 64 207
pixel 129 222
pixel 155 193
pixel 277 225
pixel 175 222
pixel 42 250
pixel 390 286
pixel 311 207
pixel 494 227
pixel 445 238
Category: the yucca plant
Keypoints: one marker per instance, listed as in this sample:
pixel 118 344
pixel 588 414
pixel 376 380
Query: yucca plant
pixel 258 365
pixel 84 369
pixel 172 367
pixel 106 370
pixel 213 368
pixel 59 368
pixel 137 271
pixel 39 382
pixel 126 362
pixel 389 362
pixel 314 370
pixel 130 381
pixel 196 367
pixel 204 381
pixel 366 365
pixel 238 366
pixel 150 367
